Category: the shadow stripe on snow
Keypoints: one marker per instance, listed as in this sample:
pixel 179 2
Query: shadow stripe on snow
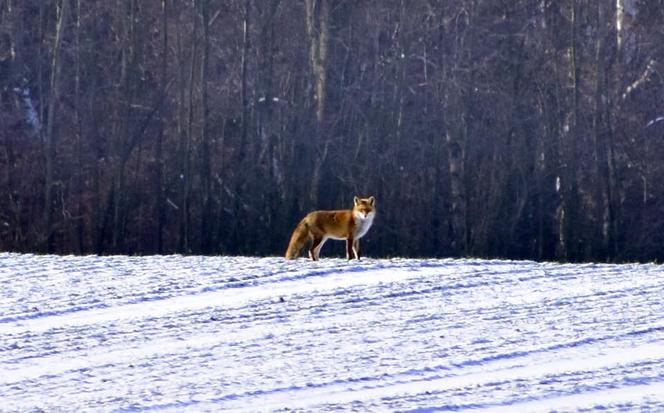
pixel 560 346
pixel 646 387
pixel 378 381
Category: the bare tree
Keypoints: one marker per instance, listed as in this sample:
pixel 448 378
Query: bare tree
pixel 50 137
pixel 501 129
pixel 457 104
pixel 568 213
pixel 318 33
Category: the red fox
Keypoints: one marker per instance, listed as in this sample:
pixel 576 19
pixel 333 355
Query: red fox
pixel 345 224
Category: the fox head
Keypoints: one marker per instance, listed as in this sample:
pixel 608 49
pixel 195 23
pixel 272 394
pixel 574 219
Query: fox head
pixel 364 207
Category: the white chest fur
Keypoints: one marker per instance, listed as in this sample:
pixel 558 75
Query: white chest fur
pixel 362 223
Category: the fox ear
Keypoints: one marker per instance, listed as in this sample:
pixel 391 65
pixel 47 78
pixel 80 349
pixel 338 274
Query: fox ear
pixel 356 200
pixel 372 200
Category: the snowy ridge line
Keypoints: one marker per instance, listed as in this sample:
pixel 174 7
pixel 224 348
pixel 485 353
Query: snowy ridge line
pixel 340 265
pixel 221 298
pixel 284 275
pixel 298 275
pixel 142 299
pixel 471 269
pixel 236 281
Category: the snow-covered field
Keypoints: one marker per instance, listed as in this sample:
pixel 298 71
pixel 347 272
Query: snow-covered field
pixel 173 333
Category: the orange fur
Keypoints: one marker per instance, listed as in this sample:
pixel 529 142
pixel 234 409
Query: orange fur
pixel 346 224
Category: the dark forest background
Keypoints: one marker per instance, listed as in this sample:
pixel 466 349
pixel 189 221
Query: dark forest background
pixel 519 128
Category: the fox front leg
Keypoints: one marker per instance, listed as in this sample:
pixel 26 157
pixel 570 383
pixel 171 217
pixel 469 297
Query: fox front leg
pixel 349 248
pixel 356 248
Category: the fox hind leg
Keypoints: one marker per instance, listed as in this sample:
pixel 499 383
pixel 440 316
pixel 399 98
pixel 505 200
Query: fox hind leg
pixel 316 245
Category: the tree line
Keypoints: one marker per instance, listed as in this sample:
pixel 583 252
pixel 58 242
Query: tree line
pixel 520 129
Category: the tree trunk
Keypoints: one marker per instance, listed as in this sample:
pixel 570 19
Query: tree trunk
pixel 125 102
pixel 318 31
pixel 457 108
pixel 50 138
pixel 80 222
pixel 246 45
pixel 317 23
pixel 159 161
pixel 205 172
pixel 626 11
pixel 568 236
pixel 458 205
pixel 603 134
pixel 186 156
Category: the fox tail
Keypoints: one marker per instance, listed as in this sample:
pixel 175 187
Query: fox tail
pixel 297 240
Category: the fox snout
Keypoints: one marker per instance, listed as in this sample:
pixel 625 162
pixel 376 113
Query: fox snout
pixel 365 214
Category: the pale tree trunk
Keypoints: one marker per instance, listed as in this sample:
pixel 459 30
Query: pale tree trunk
pixel 401 83
pixel 265 106
pixel 318 31
pixel 628 50
pixel 159 161
pixel 41 87
pixel 50 138
pixel 631 74
pixel 128 62
pixel 246 21
pixel 458 88
pixel 603 155
pixel 456 143
pixel 185 177
pixel 317 23
pixel 626 12
pixel 80 227
pixel 567 180
pixel 205 172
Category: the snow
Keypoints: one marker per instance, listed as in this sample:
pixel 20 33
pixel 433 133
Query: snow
pixel 176 333
pixel 30 112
